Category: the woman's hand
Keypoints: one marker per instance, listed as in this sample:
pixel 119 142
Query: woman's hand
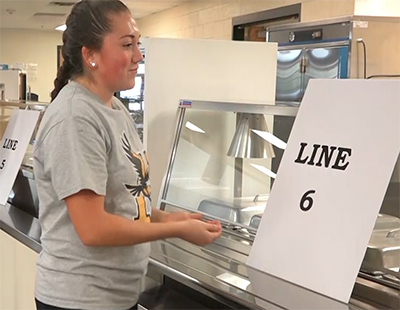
pixel 181 216
pixel 199 232
pixel 193 229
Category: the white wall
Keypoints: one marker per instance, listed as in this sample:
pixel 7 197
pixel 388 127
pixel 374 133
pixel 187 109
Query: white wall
pixel 32 46
pixel 199 70
pixel 213 18
pixel 377 7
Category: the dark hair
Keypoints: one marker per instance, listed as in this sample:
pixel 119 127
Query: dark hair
pixel 87 24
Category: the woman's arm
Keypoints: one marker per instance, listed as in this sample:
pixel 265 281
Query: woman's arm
pixel 157 215
pixel 95 227
pixel 160 216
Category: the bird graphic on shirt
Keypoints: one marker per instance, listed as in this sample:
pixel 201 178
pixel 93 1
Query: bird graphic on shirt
pixel 142 189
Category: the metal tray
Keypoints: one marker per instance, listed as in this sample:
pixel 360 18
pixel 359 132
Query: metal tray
pixel 383 253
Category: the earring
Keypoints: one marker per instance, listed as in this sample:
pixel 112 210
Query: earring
pixel 93 64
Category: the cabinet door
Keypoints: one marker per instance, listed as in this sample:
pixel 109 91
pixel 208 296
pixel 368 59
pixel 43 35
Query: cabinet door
pixel 17 274
pixel 326 63
pixel 7 271
pixel 289 77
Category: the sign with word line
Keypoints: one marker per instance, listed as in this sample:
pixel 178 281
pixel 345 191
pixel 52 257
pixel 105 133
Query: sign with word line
pixel 13 147
pixel 330 185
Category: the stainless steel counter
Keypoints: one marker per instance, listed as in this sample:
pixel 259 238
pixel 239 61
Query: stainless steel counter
pixel 20 225
pixel 223 277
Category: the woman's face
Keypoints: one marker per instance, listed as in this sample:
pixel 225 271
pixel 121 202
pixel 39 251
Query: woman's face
pixel 119 57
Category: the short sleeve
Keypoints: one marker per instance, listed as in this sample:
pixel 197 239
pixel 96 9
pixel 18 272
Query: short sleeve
pixel 75 157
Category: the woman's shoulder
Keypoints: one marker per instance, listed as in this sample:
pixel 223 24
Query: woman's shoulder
pixel 75 102
pixel 70 105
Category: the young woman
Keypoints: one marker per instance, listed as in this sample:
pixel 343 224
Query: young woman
pixel 92 172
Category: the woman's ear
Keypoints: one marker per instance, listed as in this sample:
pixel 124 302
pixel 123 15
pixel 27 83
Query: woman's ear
pixel 89 57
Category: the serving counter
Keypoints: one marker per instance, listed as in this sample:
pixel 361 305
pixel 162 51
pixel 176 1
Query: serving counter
pixel 212 171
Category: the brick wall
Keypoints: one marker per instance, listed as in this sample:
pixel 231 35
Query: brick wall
pixel 212 19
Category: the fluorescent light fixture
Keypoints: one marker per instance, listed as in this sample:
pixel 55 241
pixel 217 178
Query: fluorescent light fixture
pixel 61 28
pixel 264 170
pixel 271 139
pixel 193 127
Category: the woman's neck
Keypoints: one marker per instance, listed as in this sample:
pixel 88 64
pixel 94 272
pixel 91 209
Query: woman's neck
pixel 101 92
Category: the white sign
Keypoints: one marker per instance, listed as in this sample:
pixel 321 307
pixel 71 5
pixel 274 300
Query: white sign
pixel 360 24
pixel 330 185
pixel 277 292
pixel 13 147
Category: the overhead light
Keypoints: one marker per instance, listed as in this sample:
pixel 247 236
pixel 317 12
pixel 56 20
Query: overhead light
pixel 61 27
pixel 271 139
pixel 193 127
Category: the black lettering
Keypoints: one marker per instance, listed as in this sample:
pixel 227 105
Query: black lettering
pixel 10 144
pixel 298 159
pixel 310 201
pixel 14 146
pixel 2 164
pixel 311 161
pixel 341 157
pixel 327 155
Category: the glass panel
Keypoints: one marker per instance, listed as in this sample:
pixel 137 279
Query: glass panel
pixel 323 63
pixel 205 178
pixel 288 80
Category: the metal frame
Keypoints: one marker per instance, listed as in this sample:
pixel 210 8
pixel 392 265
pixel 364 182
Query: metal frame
pixel 328 21
pixel 23 104
pixel 325 44
pixel 172 157
pixel 269 109
pixel 258 108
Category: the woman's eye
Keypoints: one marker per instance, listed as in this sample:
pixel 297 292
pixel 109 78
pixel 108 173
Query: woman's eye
pixel 139 43
pixel 128 45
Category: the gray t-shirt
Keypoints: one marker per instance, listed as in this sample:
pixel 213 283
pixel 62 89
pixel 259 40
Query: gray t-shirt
pixel 83 144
